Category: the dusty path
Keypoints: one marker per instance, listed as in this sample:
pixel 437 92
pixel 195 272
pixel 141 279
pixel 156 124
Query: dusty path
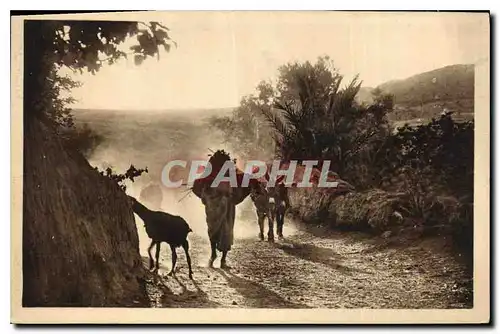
pixel 312 268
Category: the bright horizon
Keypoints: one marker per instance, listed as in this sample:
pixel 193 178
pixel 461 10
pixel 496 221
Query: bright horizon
pixel 222 56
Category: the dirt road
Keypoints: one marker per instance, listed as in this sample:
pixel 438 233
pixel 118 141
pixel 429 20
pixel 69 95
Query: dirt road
pixel 313 268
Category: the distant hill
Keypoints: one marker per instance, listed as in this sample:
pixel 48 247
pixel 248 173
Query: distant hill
pixel 191 115
pixel 427 94
pixel 455 82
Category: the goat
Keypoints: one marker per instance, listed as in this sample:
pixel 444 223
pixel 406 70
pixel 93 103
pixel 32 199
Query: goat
pixel 164 227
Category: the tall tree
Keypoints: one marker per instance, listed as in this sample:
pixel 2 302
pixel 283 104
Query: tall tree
pixel 246 130
pixel 80 46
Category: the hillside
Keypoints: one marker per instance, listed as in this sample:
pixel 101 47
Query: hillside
pixel 80 242
pixel 427 94
pixel 450 83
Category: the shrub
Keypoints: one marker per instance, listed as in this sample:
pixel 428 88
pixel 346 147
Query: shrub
pixel 378 210
pixel 373 209
pixel 130 174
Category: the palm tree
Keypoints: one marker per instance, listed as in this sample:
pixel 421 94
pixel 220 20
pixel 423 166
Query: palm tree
pixel 319 123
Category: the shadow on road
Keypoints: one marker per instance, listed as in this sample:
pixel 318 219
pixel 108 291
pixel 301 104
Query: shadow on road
pixel 256 295
pixel 316 254
pixel 324 231
pixel 160 291
pixel 186 298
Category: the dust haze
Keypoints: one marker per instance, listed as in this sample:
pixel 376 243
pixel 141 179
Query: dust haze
pixel 151 139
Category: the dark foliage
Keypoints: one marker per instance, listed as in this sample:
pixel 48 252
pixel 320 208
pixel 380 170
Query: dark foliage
pixel 443 148
pixel 130 174
pixel 80 138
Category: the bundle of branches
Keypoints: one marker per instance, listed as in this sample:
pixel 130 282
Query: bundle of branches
pixel 217 160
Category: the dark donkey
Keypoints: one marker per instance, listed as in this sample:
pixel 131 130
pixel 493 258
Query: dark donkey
pixel 265 208
pixel 164 227
pixel 271 203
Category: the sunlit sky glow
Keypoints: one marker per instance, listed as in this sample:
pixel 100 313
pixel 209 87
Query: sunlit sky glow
pixel 221 56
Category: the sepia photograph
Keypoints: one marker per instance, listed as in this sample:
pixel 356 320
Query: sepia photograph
pixel 250 167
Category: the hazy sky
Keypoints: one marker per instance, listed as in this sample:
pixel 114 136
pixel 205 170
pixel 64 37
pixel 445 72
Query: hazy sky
pixel 221 56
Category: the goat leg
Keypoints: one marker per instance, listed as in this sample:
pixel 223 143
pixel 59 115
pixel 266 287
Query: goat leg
pixel 185 245
pixel 158 246
pixel 151 261
pixel 174 260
